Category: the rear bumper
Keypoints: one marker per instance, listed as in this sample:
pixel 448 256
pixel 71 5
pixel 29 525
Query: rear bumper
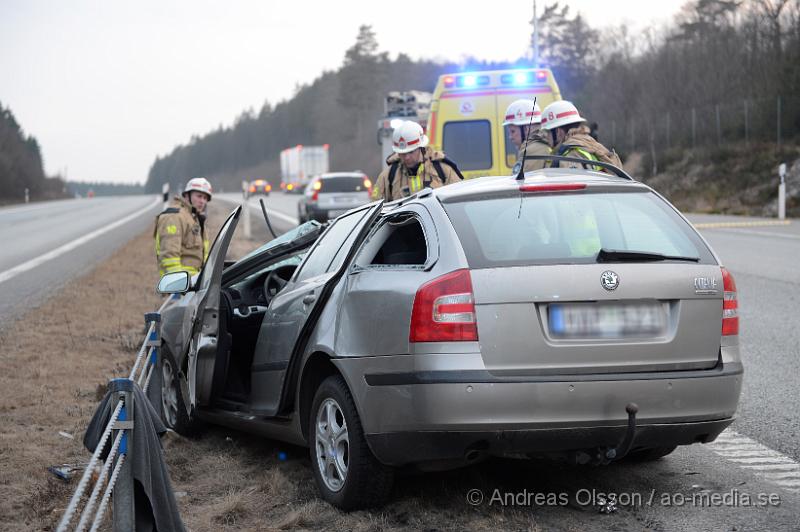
pixel 400 448
pixel 417 416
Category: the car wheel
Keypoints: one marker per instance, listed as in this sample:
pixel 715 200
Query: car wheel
pixel 649 454
pixel 173 409
pixel 347 473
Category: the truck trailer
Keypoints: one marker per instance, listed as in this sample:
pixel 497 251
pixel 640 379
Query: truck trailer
pixel 300 163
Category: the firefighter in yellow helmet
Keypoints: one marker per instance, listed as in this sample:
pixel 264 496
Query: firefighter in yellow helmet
pixel 413 166
pixel 180 233
pixel 522 122
pixel 570 136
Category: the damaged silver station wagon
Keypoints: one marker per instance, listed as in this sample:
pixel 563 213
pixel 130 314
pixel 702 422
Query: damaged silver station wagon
pixel 568 313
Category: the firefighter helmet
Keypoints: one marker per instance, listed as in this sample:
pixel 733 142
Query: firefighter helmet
pixel 408 136
pixel 560 113
pixel 200 184
pixel 523 113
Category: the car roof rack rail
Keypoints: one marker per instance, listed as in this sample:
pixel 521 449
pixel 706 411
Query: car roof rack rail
pixel 617 171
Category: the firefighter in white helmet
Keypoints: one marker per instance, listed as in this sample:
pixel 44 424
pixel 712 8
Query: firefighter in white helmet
pixel 522 120
pixel 570 136
pixel 413 166
pixel 180 232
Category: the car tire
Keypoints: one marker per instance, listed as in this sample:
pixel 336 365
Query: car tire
pixel 650 454
pixel 358 480
pixel 173 409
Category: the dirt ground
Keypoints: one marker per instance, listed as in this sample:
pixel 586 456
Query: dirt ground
pixel 56 362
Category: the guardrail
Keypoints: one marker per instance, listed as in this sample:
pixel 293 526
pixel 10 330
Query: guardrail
pixel 116 476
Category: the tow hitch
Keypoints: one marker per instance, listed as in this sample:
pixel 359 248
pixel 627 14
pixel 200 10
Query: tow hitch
pixel 605 456
pixel 619 452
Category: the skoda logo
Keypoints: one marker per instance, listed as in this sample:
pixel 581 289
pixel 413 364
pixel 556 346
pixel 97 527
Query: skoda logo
pixel 609 280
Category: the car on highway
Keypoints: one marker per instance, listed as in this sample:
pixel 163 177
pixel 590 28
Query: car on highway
pixel 571 314
pixel 330 195
pixel 259 186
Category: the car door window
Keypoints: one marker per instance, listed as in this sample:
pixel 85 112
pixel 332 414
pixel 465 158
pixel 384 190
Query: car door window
pixel 327 249
pixel 400 241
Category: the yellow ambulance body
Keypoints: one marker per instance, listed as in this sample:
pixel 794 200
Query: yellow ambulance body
pixel 467 113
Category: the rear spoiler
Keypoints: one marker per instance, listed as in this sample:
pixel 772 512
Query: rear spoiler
pixel 619 172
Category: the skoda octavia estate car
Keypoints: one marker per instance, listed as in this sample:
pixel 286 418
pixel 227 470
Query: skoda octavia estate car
pixel 570 313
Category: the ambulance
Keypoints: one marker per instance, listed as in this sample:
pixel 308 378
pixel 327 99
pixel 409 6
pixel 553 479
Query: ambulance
pixel 467 113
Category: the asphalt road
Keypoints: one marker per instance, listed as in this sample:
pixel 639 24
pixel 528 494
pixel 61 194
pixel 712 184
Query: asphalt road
pixel 46 244
pixel 764 260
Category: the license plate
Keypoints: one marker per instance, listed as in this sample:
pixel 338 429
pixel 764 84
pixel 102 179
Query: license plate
pixel 607 320
pixel 336 213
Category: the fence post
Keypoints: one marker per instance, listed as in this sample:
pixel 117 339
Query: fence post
pixel 613 133
pixel 124 510
pixel 668 139
pixel 653 149
pixel 694 128
pixel 719 128
pixel 165 194
pixel 746 124
pixel 779 122
pixel 782 192
pixel 633 135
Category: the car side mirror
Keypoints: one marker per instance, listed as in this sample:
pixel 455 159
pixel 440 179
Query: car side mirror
pixel 174 283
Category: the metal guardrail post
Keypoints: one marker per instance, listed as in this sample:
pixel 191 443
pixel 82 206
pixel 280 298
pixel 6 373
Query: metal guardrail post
pixel 152 383
pixel 124 510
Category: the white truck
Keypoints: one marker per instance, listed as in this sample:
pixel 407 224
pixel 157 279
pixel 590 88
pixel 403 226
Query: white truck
pixel 300 163
pixel 401 105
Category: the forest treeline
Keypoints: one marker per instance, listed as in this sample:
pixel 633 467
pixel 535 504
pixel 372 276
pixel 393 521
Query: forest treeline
pixel 21 164
pixel 720 71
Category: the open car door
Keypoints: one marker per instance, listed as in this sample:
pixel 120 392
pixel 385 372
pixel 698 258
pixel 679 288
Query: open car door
pixel 205 318
pixel 294 312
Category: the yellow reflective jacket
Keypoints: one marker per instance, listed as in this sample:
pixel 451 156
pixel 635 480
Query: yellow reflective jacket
pixel 181 243
pixel 578 143
pixel 404 185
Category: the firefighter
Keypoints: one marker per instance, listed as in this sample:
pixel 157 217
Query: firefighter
pixel 181 243
pixel 570 137
pixel 413 166
pixel 522 121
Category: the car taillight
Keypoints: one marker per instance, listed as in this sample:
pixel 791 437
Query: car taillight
pixel 444 310
pixel 315 196
pixel 730 305
pixel 367 183
pixel 555 187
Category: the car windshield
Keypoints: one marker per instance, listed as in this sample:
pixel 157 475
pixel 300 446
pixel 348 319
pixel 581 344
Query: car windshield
pixel 572 229
pixel 294 234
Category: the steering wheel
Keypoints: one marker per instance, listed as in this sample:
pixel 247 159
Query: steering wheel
pixel 276 280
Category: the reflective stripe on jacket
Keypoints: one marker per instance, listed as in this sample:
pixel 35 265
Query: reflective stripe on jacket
pixel 180 240
pixel 404 185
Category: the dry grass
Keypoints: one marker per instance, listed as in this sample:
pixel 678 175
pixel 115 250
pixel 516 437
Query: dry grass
pixel 56 361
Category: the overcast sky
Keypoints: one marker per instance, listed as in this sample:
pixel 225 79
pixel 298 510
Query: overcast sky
pixel 105 86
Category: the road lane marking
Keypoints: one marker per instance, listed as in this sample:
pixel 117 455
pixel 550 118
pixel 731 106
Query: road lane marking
pixel 771 465
pixel 270 211
pixel 759 233
pixel 273 212
pixel 50 255
pixel 762 223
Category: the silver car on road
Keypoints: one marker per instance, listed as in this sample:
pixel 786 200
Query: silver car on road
pixel 571 314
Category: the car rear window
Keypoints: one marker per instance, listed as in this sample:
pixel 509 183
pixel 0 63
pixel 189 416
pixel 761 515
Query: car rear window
pixel 469 143
pixel 570 228
pixel 353 183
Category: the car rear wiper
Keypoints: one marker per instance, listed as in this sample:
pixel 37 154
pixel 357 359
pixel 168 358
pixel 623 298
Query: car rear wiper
pixel 614 255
